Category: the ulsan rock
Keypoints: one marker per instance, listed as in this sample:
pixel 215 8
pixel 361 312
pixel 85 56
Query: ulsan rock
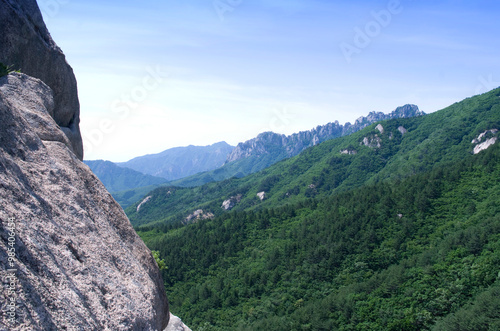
pixel 283 146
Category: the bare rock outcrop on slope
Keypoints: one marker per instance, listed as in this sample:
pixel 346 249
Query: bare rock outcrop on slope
pixel 485 140
pixel 26 44
pixel 69 258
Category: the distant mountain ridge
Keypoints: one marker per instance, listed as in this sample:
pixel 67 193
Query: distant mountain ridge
pixel 269 148
pixel 180 162
pixel 117 178
pixel 196 165
pixel 390 150
pixel 288 146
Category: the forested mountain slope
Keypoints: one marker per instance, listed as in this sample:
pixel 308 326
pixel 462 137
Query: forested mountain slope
pixel 419 253
pixel 390 150
pixel 396 227
pixel 129 181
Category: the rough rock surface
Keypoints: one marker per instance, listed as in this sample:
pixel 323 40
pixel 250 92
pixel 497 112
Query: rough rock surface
pixel 485 140
pixel 176 324
pixel 197 215
pixel 402 130
pixel 231 202
pixel 349 151
pixel 77 263
pixel 228 204
pixel 372 142
pixel 26 44
pixel 485 145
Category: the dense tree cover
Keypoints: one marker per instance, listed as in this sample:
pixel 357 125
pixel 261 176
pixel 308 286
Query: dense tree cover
pixel 426 142
pixel 129 197
pixel 414 253
pixel 392 230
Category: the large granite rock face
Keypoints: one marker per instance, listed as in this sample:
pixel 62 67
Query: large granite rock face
pixel 75 261
pixel 26 44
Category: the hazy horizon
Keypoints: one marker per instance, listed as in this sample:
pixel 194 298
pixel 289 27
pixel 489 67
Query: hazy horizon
pixel 160 74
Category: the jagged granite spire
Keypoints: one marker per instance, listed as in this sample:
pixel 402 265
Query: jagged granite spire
pixel 287 146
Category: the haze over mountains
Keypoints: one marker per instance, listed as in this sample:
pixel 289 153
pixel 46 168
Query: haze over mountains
pixel 269 147
pixel 181 162
pixel 117 178
pixel 197 165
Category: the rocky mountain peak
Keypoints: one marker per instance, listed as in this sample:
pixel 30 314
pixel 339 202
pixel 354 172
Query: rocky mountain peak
pixel 406 111
pixel 282 146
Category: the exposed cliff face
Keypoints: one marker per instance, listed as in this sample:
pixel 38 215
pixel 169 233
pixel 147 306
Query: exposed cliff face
pixel 27 45
pixel 75 261
pixel 287 146
pixel 485 140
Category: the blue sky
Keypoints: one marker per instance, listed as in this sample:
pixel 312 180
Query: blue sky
pixel 159 74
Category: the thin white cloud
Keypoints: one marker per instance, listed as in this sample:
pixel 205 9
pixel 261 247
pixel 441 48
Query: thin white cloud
pixel 431 41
